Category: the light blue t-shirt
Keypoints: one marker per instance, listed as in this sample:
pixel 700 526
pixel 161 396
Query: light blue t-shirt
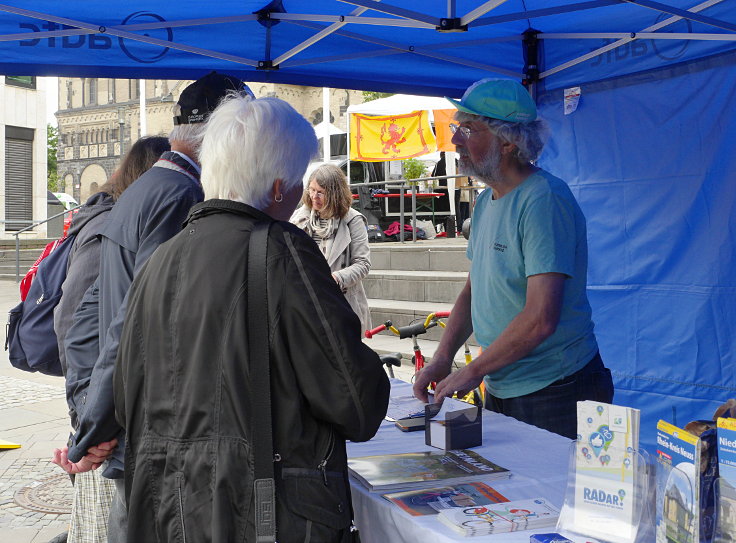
pixel 536 228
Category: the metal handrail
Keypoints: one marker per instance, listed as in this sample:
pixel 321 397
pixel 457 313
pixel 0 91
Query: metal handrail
pixel 401 184
pixel 34 224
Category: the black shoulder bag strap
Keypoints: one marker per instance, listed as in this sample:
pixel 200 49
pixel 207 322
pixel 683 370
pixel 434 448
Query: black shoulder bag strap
pixel 264 486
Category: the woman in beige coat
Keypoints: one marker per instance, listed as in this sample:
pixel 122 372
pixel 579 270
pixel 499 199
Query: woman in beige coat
pixel 340 232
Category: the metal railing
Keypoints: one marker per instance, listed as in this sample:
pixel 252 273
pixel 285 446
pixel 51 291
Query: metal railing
pixel 33 224
pixel 402 185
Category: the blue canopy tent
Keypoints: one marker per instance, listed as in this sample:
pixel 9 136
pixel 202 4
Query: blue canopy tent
pixel 646 152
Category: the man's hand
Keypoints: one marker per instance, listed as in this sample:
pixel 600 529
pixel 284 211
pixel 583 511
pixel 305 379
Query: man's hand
pixel 431 373
pixel 462 381
pixel 91 461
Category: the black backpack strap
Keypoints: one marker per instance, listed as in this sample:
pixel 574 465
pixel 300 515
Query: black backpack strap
pixel 259 368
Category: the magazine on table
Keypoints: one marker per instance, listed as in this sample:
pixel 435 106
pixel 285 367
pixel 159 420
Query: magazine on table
pixel 605 467
pixel 530 514
pixel 401 407
pixel 389 472
pixel 431 501
pixel 678 484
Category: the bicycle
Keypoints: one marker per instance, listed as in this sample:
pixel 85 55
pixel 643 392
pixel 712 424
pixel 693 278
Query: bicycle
pixel 412 330
pixel 417 328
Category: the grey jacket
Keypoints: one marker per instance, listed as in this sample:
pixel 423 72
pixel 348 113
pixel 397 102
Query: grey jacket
pixel 82 269
pixel 149 212
pixel 83 264
pixel 349 259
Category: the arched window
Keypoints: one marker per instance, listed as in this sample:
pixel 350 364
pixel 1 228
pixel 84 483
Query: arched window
pixel 93 91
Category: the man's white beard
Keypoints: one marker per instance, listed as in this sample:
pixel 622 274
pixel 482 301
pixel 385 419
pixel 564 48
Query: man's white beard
pixel 488 171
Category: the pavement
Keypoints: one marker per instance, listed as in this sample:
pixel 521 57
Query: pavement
pixel 36 495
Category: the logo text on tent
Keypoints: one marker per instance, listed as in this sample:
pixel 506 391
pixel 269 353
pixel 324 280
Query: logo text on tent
pixel 137 51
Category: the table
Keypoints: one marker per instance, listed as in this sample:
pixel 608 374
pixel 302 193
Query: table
pixel 538 460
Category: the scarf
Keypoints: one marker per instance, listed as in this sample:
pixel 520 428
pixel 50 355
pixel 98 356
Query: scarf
pixel 316 228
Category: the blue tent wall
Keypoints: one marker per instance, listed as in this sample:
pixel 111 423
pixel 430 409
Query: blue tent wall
pixel 651 159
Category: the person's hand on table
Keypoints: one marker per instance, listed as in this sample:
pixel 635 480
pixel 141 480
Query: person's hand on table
pixel 431 373
pixel 91 461
pixel 462 381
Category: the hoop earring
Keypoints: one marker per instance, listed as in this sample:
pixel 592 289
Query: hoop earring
pixel 279 199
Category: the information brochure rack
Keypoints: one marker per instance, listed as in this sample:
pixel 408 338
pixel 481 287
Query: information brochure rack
pixel 612 504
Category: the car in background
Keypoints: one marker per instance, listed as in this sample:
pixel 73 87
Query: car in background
pixel 67 202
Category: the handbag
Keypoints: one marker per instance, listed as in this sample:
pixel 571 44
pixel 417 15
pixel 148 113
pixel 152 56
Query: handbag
pixel 264 486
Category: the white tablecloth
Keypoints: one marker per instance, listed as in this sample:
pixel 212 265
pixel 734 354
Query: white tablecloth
pixel 537 459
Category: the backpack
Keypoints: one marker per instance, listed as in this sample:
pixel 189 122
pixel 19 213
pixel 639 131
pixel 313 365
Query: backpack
pixel 31 340
pixel 25 283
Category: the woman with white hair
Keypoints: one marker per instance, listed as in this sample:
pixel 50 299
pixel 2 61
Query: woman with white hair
pixel 184 379
pixel 340 233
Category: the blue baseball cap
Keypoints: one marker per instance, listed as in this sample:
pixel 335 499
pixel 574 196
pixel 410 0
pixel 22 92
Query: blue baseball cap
pixel 502 99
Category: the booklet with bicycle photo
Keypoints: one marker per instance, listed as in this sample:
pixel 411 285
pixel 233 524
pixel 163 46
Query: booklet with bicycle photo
pixel 431 501
pixel 605 467
pixel 500 518
pixel 678 484
pixel 388 472
pixel 727 473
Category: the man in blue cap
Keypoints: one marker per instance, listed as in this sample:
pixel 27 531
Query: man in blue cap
pixel 150 212
pixel 525 297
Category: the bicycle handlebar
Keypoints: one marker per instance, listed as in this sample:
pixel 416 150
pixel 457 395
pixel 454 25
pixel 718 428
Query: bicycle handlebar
pixel 412 330
pixel 370 333
pixel 416 329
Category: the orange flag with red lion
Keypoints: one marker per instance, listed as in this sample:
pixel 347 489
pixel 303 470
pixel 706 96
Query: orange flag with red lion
pixel 391 137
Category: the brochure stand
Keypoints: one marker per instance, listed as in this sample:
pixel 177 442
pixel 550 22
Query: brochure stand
pixel 725 512
pixel 609 495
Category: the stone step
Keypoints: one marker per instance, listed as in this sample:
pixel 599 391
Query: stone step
pixel 402 313
pixel 415 286
pixel 426 255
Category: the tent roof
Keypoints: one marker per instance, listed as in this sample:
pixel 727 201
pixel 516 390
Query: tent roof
pixel 429 47
pixel 324 128
pixel 400 103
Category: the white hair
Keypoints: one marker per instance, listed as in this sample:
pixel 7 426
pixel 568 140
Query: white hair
pixel 248 144
pixel 528 137
pixel 189 134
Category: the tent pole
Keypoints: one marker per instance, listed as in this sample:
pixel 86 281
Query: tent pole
pixel 142 98
pixel 348 146
pixel 326 151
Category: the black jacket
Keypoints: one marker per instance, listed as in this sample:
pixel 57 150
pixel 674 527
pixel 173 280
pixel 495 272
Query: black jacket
pixel 182 389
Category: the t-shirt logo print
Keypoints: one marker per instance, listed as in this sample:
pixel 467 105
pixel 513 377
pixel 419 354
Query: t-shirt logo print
pixel 500 247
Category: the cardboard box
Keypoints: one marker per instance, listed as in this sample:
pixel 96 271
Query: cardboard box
pixel 453 425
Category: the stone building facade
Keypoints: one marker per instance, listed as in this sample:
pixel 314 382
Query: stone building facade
pixel 99 120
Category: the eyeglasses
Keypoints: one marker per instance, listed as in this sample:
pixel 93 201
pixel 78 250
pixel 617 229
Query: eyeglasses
pixel 318 193
pixel 465 131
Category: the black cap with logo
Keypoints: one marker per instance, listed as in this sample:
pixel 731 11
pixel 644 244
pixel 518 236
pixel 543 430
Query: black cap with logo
pixel 201 98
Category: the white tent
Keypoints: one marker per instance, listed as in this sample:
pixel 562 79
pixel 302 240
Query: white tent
pixel 324 128
pixel 400 103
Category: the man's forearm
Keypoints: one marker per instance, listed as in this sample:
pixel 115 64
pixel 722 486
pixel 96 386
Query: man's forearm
pixel 523 334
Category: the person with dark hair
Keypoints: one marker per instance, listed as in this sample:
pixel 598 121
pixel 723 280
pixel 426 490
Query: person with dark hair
pixel 341 233
pixel 92 492
pixel 147 214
